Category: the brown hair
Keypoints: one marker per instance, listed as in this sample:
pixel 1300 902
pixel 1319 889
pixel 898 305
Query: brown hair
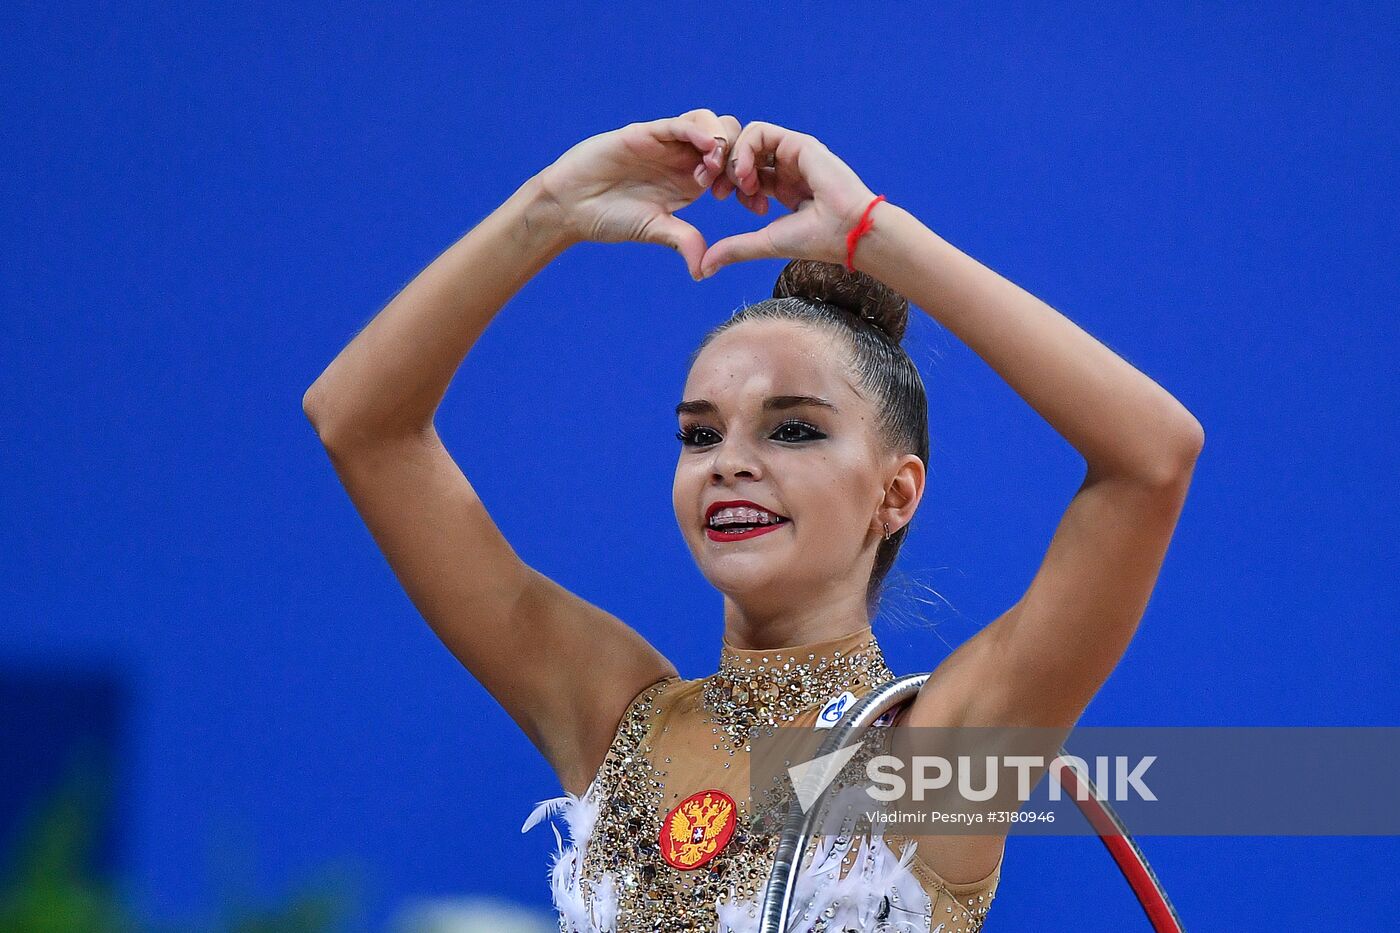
pixel 873 317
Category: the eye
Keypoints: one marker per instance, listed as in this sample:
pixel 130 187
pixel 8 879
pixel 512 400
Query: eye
pixel 688 438
pixel 806 431
pixel 788 431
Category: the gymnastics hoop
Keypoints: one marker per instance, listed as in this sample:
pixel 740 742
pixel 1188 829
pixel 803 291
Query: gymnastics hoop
pixel 799 826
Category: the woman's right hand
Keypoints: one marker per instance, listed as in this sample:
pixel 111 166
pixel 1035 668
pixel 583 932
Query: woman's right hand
pixel 626 184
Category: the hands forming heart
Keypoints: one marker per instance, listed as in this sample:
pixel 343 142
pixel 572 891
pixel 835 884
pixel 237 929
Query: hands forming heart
pixel 627 184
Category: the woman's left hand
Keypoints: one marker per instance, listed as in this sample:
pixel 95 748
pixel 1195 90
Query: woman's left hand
pixel 825 196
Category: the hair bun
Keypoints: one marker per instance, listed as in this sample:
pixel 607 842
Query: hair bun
pixel 857 292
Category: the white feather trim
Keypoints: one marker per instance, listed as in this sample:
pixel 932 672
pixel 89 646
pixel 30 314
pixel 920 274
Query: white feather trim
pixel 578 912
pixel 543 809
pixel 736 916
pixel 879 888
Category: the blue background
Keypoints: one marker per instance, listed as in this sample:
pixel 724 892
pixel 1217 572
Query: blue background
pixel 201 206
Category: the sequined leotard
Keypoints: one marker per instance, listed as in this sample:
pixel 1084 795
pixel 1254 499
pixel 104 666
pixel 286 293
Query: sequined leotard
pixel 679 737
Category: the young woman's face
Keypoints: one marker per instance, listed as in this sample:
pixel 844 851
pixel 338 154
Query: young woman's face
pixel 821 468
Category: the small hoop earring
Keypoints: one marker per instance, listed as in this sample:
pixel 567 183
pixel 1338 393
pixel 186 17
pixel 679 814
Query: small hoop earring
pixel 887 531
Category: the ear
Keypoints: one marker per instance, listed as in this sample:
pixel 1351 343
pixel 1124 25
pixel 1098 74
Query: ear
pixel 904 489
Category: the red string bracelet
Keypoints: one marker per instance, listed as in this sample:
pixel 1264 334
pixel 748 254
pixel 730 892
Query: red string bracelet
pixel 859 230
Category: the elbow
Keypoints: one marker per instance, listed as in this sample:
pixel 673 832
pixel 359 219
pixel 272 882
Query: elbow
pixel 312 404
pixel 1181 444
pixel 1193 441
pixel 346 429
pixel 1173 461
pixel 1166 464
pixel 1175 470
pixel 1198 440
pixel 316 406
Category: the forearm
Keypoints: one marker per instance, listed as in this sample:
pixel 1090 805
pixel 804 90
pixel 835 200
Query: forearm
pixel 391 377
pixel 1115 416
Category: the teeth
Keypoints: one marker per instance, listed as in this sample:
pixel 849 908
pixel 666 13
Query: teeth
pixel 743 516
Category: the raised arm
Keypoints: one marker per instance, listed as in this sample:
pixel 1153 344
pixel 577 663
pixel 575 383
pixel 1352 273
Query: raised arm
pixel 1044 658
pixel 1041 662
pixel 563 668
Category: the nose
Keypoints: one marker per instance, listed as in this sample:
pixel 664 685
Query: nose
pixel 734 459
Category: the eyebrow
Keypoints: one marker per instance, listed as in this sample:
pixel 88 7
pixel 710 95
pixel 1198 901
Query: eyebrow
pixel 700 406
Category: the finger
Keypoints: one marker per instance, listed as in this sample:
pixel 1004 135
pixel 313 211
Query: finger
pixel 721 130
pixel 714 159
pixel 738 248
pixel 713 150
pixel 687 129
pixel 670 230
pixel 724 186
pixel 725 130
pixel 765 174
pixel 711 166
pixel 731 128
pixel 757 145
pixel 755 202
pixel 712 163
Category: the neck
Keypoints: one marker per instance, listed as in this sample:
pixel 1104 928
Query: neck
pixel 746 628
pixel 775 685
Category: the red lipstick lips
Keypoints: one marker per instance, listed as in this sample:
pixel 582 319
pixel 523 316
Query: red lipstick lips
pixel 715 534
